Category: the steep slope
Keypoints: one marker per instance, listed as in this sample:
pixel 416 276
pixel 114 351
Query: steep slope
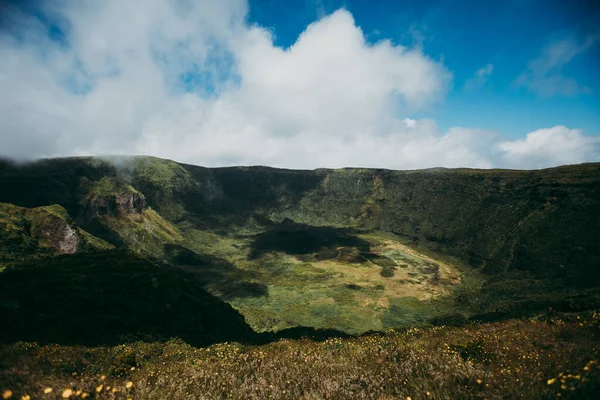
pixel 109 297
pixel 42 231
pixel 117 212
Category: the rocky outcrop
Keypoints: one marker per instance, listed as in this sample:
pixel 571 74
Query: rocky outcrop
pixel 31 233
pixel 57 234
pixel 111 197
pixel 113 205
pixel 130 203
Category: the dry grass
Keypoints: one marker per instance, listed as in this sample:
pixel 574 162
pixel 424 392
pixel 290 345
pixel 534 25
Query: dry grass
pixel 447 273
pixel 554 358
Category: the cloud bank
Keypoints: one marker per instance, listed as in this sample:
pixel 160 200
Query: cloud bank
pixel 192 81
pixel 555 146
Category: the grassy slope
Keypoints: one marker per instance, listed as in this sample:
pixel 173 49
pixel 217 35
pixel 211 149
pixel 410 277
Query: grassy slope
pixel 552 358
pixel 531 233
pixel 36 232
pixel 495 219
pixel 486 218
pixel 505 220
pixel 515 226
pixel 118 212
pixel 108 297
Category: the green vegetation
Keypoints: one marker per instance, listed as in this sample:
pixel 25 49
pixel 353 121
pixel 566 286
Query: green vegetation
pixel 165 174
pixel 146 232
pixel 553 357
pixel 284 247
pixel 165 182
pixel 110 297
pixel 111 187
pixel 28 234
pixel 123 253
pixel 332 278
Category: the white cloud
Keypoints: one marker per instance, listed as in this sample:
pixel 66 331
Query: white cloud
pixel 330 100
pixel 480 78
pixel 544 74
pixel 549 147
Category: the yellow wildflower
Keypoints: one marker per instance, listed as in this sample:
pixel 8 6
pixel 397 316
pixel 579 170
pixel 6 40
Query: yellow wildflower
pixel 551 381
pixel 67 393
pixel 99 388
pixel 48 390
pixel 7 394
pixel 129 385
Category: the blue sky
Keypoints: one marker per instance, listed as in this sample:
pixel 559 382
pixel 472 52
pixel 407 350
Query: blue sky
pixel 468 35
pixel 303 83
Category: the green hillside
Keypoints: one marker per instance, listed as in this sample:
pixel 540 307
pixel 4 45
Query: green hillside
pixel 349 249
pixel 350 283
pixel 108 297
pixel 28 234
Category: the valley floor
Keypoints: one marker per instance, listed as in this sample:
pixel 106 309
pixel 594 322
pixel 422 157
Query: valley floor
pixel 369 281
pixel 555 356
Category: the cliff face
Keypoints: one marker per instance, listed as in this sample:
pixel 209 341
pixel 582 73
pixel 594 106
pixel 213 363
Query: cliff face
pixel 112 197
pixel 57 233
pixel 114 205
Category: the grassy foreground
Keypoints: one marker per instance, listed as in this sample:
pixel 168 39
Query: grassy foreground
pixel 553 357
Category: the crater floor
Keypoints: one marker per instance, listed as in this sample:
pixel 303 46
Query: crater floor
pixel 327 278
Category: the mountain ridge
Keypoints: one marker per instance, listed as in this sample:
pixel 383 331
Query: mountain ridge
pixel 119 158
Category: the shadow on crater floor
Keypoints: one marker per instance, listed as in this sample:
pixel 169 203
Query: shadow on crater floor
pixel 216 274
pixel 297 239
